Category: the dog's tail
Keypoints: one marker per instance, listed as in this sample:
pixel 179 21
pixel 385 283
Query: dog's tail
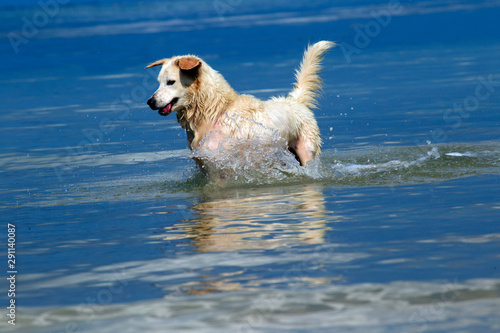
pixel 307 76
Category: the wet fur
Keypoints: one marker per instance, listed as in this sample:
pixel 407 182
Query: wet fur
pixel 210 110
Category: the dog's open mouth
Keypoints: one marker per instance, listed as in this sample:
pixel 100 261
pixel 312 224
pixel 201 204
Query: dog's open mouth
pixel 167 109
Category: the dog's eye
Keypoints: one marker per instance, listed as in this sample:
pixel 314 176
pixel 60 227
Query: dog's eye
pixel 170 82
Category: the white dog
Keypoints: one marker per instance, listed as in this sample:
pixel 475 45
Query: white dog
pixel 211 111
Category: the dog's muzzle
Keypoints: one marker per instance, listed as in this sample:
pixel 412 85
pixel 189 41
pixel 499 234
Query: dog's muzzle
pixel 163 111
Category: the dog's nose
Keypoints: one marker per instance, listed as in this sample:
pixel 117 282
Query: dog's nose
pixel 152 103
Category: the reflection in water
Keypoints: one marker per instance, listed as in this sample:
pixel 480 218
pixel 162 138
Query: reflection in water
pixel 256 219
pixel 259 219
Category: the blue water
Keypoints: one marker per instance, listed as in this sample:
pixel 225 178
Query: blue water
pixel 117 231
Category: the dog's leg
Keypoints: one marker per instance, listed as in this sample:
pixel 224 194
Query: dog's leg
pixel 302 148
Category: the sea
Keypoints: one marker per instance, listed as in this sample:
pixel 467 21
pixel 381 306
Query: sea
pixel 108 225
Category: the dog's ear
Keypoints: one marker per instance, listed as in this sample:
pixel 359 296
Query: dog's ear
pixel 188 63
pixel 157 63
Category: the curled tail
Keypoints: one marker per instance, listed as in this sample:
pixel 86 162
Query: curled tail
pixel 307 76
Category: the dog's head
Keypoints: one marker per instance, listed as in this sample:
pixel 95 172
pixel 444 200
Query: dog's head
pixel 176 76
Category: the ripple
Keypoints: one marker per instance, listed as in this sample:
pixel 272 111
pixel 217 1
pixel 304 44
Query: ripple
pixel 401 306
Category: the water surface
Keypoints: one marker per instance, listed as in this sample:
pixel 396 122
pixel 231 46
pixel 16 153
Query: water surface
pixel 396 230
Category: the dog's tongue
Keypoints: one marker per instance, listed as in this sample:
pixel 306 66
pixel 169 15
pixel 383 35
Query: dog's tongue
pixel 166 109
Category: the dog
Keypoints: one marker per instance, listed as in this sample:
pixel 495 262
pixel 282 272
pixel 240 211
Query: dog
pixel 211 111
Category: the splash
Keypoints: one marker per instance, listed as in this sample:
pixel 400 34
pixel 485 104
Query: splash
pixel 258 162
pixel 252 161
pixel 347 169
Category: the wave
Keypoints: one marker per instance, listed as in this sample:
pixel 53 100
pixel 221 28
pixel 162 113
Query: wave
pixel 400 306
pixel 248 162
pixel 95 19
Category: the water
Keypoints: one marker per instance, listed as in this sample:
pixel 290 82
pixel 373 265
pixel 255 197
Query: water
pixel 396 230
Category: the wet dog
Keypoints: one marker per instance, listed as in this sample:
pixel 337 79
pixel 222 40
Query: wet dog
pixel 211 111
